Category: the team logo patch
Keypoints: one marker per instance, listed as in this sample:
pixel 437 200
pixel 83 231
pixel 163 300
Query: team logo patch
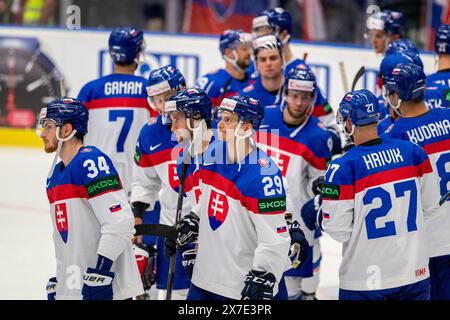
pixel 281 229
pixel 115 208
pixel 325 215
pixel 272 204
pixel 86 150
pixel 263 162
pixel 330 191
pixel 348 97
pixel 172 174
pixel 217 209
pixel 62 223
pixel 103 185
pixel 396 71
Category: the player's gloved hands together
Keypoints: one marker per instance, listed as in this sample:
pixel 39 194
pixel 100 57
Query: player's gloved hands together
pixel 188 229
pixel 258 285
pixel 146 260
pixel 299 245
pixel 51 288
pixel 97 282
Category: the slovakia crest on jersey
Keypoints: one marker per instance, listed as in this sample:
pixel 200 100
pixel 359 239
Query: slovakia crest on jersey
pixel 62 224
pixel 217 209
pixel 222 9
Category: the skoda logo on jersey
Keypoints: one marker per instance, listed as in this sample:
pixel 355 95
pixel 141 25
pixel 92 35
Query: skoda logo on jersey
pixel 62 224
pixel 222 9
pixel 188 64
pixel 217 209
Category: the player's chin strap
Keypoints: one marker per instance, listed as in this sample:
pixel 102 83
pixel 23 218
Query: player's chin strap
pixel 239 140
pixel 396 107
pixel 233 61
pixel 58 149
pixel 195 148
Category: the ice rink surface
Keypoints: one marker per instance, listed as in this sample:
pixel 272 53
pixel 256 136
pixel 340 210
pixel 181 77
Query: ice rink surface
pixel 26 247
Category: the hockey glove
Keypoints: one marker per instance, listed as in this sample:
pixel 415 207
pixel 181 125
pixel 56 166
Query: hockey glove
pixel 189 261
pixel 317 185
pixel 146 261
pixel 258 286
pixel 170 247
pixel 188 229
pixel 309 215
pixel 51 288
pixel 97 284
pixel 299 245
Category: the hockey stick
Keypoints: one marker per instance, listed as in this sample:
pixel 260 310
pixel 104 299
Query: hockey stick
pixel 160 230
pixel 343 76
pixel 177 219
pixel 444 198
pixel 358 75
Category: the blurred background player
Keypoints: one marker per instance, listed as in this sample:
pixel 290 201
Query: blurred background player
pixel 430 129
pixel 235 47
pixel 279 22
pixel 117 103
pixel 442 49
pixel 300 145
pixel 385 27
pixel 91 217
pixel 156 179
pixel 378 178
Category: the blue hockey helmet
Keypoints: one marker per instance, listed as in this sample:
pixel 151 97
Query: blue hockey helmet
pixel 233 38
pixel 395 23
pixel 390 61
pixel 66 110
pixel 407 80
pixel 267 42
pixel 300 79
pixel 247 109
pixel 401 45
pixel 442 39
pixel 125 44
pixel 164 79
pixel 276 18
pixel 360 106
pixel 193 102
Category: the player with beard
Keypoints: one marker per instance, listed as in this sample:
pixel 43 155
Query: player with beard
pixel 235 47
pixel 300 146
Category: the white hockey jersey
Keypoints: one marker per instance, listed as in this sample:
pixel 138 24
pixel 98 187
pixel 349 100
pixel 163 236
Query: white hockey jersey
pixel 155 177
pixel 375 201
pixel 242 224
pixel 90 217
pixel 118 109
pixel 431 131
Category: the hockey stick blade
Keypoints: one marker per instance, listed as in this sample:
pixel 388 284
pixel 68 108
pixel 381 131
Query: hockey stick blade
pixel 358 75
pixel 160 230
pixel 444 198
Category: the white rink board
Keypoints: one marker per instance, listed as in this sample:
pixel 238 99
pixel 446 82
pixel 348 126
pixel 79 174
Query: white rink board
pixel 26 246
pixel 81 55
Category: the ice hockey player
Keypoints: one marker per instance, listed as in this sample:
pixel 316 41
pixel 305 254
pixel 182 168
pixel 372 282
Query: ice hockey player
pixel 301 146
pixel 442 49
pixel 243 201
pixel 92 220
pixel 279 22
pixel 436 95
pixel 117 103
pixel 235 47
pixel 156 179
pixel 385 27
pixel 190 113
pixel 378 179
pixel 430 129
